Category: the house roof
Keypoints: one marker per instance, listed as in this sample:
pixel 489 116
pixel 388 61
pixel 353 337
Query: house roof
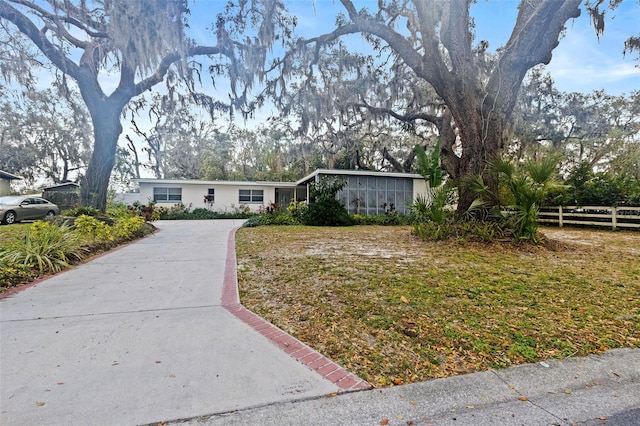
pixel 9 176
pixel 311 177
pixel 304 180
pixel 216 182
pixel 61 185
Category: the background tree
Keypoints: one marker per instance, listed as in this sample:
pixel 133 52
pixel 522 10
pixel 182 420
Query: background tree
pixel 362 112
pixel 138 43
pixel 44 136
pixel 178 137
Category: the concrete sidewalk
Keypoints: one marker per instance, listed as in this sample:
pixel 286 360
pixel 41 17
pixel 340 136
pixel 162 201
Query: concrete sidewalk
pixel 154 332
pixel 140 335
pixel 597 390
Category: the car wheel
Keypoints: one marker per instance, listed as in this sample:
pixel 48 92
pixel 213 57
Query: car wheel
pixel 9 218
pixel 51 213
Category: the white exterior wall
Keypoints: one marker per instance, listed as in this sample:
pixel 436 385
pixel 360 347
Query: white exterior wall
pixel 5 188
pixel 128 198
pixel 226 194
pixel 419 187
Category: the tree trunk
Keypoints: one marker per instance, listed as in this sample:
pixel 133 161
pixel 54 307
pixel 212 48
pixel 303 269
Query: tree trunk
pixel 106 131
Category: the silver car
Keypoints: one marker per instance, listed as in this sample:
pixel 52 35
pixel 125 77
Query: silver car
pixel 25 207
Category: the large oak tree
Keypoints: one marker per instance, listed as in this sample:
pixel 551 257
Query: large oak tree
pixel 137 43
pixel 435 40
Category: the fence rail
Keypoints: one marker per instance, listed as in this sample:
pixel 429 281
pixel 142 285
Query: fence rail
pixel 610 217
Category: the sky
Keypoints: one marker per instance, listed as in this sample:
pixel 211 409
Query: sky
pixel 580 63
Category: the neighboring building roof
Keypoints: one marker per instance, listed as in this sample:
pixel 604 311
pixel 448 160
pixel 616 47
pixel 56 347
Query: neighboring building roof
pixel 317 172
pixel 61 186
pixel 9 176
pixel 215 182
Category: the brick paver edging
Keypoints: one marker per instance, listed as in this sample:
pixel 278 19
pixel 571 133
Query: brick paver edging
pixel 293 347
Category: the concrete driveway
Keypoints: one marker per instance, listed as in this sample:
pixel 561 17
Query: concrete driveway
pixel 140 335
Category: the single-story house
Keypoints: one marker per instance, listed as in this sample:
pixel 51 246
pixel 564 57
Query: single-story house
pixel 5 182
pixel 366 192
pixel 223 196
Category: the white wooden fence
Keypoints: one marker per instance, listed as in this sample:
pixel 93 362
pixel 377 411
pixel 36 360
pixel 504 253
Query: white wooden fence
pixel 610 217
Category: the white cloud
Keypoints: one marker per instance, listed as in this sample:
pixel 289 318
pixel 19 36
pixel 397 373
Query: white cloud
pixel 583 63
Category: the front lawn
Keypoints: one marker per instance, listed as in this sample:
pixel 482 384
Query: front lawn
pixel 395 309
pixel 11 233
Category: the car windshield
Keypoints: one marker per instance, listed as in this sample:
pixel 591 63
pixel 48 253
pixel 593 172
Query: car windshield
pixel 10 201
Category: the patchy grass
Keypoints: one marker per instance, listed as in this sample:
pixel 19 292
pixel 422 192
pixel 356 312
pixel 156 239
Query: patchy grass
pixel 11 233
pixel 394 309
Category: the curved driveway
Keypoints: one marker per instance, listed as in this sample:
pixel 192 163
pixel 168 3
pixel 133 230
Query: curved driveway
pixel 140 335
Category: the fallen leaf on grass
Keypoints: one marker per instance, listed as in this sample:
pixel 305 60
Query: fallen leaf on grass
pixel 404 299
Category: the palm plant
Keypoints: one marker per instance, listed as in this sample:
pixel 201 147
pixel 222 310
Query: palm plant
pixel 521 190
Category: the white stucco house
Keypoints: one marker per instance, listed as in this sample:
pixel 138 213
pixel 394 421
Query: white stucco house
pixel 366 192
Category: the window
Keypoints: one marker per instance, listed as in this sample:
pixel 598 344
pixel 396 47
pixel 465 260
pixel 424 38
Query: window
pixel 211 196
pixel 167 195
pixel 251 196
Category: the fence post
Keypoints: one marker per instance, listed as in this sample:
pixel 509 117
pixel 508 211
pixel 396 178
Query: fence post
pixel 614 217
pixel 560 216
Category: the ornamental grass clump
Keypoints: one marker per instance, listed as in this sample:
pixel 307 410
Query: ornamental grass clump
pixel 45 247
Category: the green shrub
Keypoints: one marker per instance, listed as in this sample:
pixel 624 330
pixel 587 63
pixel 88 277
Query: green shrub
pixel 297 209
pixel 200 214
pixel 149 212
pixel 93 229
pixel 326 213
pixel 45 247
pixel 82 211
pixel 274 218
pixel 588 188
pixel 484 231
pixel 118 210
pixel 522 189
pixel 326 210
pixel 128 228
pixel 11 274
pixel 385 220
pixel 252 222
pixel 433 231
pixel 181 212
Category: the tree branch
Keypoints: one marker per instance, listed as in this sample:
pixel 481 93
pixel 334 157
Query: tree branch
pixel 27 27
pixel 437 121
